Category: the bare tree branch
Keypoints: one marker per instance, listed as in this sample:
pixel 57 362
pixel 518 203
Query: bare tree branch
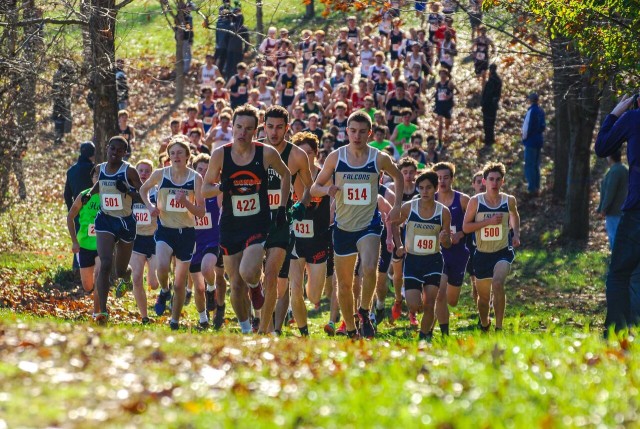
pixel 122 4
pixel 57 21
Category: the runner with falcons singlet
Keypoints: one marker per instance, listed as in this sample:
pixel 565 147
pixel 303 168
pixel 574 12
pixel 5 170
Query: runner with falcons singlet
pixel 356 170
pixel 238 171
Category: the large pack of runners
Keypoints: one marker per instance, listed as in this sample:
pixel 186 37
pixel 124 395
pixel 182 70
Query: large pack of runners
pixel 308 173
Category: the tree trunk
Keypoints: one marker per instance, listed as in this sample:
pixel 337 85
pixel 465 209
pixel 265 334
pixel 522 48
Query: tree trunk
pixel 310 11
pixel 583 105
pixel 86 37
pixel 102 26
pixel 25 106
pixel 179 67
pixel 259 23
pixel 561 83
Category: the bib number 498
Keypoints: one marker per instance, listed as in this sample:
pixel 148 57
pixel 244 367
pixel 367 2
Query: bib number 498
pixel 423 245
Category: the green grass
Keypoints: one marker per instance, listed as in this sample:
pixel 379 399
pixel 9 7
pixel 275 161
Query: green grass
pixel 55 372
pixel 143 32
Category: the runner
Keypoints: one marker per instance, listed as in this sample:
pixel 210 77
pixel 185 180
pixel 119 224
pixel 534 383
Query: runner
pixel 144 246
pixel 115 224
pixel 480 52
pixel 239 86
pixel 205 257
pixel 444 105
pixel 456 257
pixel 207 109
pixel 84 239
pixel 489 216
pixel 178 200
pixel 238 171
pixel 427 228
pixel 312 240
pixel 127 131
pixel 478 187
pixel 281 239
pixel 408 168
pixel 356 169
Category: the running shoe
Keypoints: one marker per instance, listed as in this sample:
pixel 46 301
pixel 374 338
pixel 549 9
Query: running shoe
pixel 342 330
pixel 218 320
pixel 161 303
pixel 203 326
pixel 367 330
pixel 174 326
pixel 187 297
pixel 396 311
pixel 122 288
pixel 257 297
pixel 413 320
pixel 255 324
pixel 425 337
pixel 380 315
pixel 330 329
pixel 102 318
pixel 146 320
pixel 210 298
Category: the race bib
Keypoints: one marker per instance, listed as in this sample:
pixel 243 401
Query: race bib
pixel 395 46
pixel 491 233
pixel 274 199
pixel 91 230
pixel 357 194
pixel 406 146
pixel 111 202
pixel 480 56
pixel 442 96
pixel 283 69
pixel 453 229
pixel 242 90
pixel 446 58
pixel 397 119
pixel 204 222
pixel 208 120
pixel 342 136
pixel 143 217
pixel 303 228
pixel 288 92
pixel 245 205
pixel 424 245
pixel 433 28
pixel 173 205
pixel 307 56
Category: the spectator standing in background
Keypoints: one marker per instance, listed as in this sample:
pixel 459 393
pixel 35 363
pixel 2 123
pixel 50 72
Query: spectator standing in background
pixel 61 96
pixel 532 139
pixel 491 94
pixel 237 43
pixel 624 269
pixel 122 88
pixel 223 28
pixel 613 191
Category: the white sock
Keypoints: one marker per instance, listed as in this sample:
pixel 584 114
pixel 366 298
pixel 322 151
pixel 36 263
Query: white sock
pixel 257 313
pixel 203 316
pixel 379 304
pixel 165 289
pixel 211 288
pixel 173 321
pixel 245 326
pixel 252 286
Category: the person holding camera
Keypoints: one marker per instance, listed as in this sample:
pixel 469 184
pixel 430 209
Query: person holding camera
pixel 623 124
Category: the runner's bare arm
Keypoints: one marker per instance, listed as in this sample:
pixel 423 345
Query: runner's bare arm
pixel 210 186
pixel 514 221
pixel 272 159
pixel 319 188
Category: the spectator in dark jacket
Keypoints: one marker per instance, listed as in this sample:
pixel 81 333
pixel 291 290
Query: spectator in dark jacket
pixel 623 288
pixel 613 191
pixel 122 88
pixel 79 175
pixel 491 94
pixel 237 44
pixel 532 139
pixel 223 29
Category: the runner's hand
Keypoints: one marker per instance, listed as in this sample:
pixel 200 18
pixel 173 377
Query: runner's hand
pixel 75 247
pixel 85 198
pixel 333 189
pixel 281 217
pixel 224 185
pixel 400 251
pixel 298 211
pixel 121 186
